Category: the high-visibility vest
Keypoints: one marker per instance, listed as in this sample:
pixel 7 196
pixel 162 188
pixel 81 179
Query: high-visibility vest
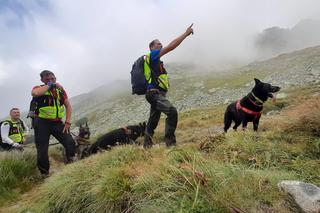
pixel 50 107
pixel 16 131
pixel 159 73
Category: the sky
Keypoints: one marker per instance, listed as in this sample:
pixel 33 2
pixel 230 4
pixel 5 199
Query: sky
pixel 90 43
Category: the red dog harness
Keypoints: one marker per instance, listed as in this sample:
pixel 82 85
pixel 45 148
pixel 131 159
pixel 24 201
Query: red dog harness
pixel 248 111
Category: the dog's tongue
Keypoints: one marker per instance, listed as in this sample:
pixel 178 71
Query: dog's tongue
pixel 274 98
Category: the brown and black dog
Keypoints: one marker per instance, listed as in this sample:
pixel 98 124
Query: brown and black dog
pixel 82 141
pixel 125 135
pixel 248 109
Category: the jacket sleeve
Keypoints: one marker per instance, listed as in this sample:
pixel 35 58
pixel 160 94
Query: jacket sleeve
pixel 5 127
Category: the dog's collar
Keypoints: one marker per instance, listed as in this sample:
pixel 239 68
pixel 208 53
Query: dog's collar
pixel 257 99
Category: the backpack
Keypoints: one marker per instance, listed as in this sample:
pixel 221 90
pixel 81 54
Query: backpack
pixel 32 111
pixel 138 80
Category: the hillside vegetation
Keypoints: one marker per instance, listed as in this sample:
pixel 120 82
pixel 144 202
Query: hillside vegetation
pixel 207 172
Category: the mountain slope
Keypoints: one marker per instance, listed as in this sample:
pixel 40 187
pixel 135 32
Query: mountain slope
pixel 207 171
pixel 191 89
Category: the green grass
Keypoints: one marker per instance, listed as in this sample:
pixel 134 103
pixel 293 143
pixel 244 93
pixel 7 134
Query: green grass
pixel 182 179
pixel 17 174
pixel 206 172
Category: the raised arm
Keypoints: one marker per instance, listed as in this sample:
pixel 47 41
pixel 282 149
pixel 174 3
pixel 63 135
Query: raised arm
pixel 176 42
pixel 39 91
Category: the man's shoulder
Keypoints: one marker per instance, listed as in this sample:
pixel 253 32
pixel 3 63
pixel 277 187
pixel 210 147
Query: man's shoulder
pixel 6 123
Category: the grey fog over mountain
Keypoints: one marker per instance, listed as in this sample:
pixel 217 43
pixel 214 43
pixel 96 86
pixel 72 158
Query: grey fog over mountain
pixel 89 44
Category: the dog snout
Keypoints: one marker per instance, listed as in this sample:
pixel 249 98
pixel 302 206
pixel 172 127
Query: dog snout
pixel 276 89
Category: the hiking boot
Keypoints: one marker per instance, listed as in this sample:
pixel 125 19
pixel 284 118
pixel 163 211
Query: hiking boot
pixel 170 142
pixel 72 159
pixel 147 141
pixel 44 174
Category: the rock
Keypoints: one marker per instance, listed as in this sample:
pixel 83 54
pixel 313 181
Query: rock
pixel 309 80
pixel 226 101
pixel 213 90
pixel 281 95
pixel 306 195
pixel 316 94
pixel 199 84
pixel 273 112
pixel 315 72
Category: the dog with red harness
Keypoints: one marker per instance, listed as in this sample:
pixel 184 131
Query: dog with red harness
pixel 248 109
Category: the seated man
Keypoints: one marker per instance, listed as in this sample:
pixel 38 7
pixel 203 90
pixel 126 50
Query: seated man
pixel 13 131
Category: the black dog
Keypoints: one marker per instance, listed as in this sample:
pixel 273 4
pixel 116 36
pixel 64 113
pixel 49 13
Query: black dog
pixel 248 109
pixel 125 135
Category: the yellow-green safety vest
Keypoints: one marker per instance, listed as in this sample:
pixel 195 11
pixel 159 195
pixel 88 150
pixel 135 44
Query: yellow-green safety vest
pixel 16 131
pixel 52 108
pixel 162 79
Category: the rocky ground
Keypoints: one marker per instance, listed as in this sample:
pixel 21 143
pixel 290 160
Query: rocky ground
pixel 191 91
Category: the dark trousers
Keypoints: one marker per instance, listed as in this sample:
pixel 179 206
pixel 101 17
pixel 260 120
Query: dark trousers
pixel 42 130
pixel 6 146
pixel 159 104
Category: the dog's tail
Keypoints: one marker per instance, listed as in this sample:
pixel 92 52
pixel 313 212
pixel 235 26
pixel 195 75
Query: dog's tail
pixel 227 119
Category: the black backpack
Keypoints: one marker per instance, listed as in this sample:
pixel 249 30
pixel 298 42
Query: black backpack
pixel 138 80
pixel 32 111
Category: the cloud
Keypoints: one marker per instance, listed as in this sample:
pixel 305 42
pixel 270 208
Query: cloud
pixel 89 43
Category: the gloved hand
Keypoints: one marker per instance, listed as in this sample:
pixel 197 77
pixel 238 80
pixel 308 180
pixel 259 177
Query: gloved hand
pixel 51 85
pixel 16 145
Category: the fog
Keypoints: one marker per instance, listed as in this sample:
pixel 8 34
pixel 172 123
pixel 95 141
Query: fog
pixel 90 43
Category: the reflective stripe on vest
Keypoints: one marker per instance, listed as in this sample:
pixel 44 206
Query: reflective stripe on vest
pixel 16 132
pixel 162 79
pixel 54 111
pixel 147 70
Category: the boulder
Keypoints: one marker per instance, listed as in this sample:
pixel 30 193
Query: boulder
pixel 306 195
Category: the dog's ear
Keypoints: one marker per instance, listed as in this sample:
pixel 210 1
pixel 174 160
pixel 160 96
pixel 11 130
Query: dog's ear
pixel 257 80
